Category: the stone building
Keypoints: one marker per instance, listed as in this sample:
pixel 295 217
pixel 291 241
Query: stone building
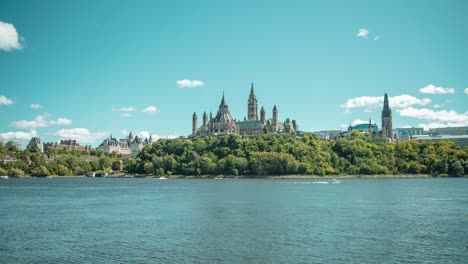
pixel 36 142
pixel 67 144
pixel 127 147
pixel 223 123
pixel 17 144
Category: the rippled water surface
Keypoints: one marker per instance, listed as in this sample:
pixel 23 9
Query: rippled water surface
pixel 105 220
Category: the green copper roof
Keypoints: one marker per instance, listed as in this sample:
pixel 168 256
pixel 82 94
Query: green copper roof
pixel 203 127
pixel 250 123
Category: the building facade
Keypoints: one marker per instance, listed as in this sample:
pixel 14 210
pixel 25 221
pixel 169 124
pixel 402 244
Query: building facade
pixel 407 133
pixel 36 142
pixel 67 144
pixel 223 123
pixel 127 147
pixel 18 145
pixel 453 131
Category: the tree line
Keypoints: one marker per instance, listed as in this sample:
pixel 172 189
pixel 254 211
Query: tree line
pixel 275 154
pixel 250 156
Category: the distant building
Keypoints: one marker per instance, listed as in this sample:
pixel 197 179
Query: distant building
pixel 18 145
pixel 223 123
pixel 460 140
pixel 365 128
pixel 328 134
pixel 372 130
pixel 128 147
pixel 67 144
pixel 454 131
pixel 405 134
pixel 36 142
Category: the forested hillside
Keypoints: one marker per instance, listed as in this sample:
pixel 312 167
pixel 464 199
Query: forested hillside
pixel 274 154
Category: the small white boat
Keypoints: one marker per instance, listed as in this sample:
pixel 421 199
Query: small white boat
pixel 335 181
pixel 4 177
pixel 162 178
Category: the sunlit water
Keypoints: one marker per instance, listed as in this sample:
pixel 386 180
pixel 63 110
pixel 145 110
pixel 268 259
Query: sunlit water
pixel 105 220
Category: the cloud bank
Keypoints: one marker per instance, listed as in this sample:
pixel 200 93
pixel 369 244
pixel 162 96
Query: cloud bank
pixel 82 135
pixel 399 101
pixel 18 135
pixel 432 89
pixel 41 121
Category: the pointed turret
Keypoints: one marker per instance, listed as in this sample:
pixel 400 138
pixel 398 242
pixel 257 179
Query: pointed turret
pixel 263 116
pixel 275 119
pixel 205 119
pixel 194 124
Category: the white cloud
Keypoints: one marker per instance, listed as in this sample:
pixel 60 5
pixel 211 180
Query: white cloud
pixel 124 132
pixel 9 38
pixel 82 135
pixel 18 135
pixel 144 134
pixel 126 115
pixel 61 121
pixel 124 109
pixel 437 116
pixel 363 33
pixel 359 121
pixel 466 91
pixel 150 109
pixel 5 101
pixel 439 105
pixel 400 101
pixel 186 83
pixel 35 106
pixel 439 124
pixel 376 37
pixel 41 121
pixel 431 89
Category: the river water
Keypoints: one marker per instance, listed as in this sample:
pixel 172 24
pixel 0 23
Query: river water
pixel 108 220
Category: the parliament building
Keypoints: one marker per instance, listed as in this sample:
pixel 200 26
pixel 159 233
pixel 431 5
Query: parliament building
pixel 223 123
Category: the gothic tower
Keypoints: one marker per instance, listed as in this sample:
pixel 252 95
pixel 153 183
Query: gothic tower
pixel 370 129
pixel 252 113
pixel 194 124
pixel 205 119
pixel 262 116
pixel 275 119
pixel 387 131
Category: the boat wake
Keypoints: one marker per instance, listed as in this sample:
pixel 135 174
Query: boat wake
pixel 334 181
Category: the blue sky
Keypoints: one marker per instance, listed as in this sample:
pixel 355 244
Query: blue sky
pixel 93 67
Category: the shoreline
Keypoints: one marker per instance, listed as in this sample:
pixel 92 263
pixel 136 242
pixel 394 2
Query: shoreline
pixel 268 177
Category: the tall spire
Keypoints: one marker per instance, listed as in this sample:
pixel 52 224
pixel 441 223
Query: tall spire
pixel 223 101
pixel 387 129
pixel 252 108
pixel 252 92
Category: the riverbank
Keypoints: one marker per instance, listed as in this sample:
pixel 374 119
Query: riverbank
pixel 259 177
